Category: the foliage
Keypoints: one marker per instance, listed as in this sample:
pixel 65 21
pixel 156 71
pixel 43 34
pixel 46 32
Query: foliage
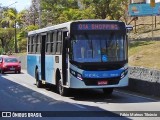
pixel 6 38
pixel 22 45
pixel 143 53
pixel 11 16
pixel 52 12
pixel 66 10
pixel 31 27
pixel 22 37
pixel 76 14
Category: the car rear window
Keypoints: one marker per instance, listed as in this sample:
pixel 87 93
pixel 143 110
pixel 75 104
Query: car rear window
pixel 8 60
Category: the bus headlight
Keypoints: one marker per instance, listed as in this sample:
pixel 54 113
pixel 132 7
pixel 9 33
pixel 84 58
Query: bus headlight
pixel 124 73
pixel 76 74
pixel 79 76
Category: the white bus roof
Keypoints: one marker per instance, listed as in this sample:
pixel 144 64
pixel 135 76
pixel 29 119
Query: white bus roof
pixel 63 25
pixel 67 25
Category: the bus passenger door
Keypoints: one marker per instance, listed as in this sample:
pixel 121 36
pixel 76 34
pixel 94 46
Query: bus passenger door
pixel 43 56
pixel 64 59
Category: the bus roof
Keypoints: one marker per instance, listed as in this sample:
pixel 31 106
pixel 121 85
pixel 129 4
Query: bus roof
pixel 63 25
pixel 67 25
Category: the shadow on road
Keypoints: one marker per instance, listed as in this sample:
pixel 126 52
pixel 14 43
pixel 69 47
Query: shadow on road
pixel 11 72
pixel 97 95
pixel 15 97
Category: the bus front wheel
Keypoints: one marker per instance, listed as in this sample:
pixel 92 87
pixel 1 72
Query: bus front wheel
pixel 38 82
pixel 108 91
pixel 62 90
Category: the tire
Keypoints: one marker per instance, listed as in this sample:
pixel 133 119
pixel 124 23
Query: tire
pixel 62 90
pixel 38 82
pixel 108 91
pixel 19 72
pixel 2 72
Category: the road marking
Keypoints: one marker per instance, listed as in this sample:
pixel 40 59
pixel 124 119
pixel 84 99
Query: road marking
pixel 137 95
pixel 25 85
pixel 44 93
pixel 78 106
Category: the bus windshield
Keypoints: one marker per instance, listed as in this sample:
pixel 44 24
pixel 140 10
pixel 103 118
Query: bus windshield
pixel 100 47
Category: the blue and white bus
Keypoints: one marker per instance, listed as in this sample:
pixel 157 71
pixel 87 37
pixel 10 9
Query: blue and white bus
pixel 80 54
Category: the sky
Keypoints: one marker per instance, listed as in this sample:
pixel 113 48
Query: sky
pixel 19 5
pixel 22 4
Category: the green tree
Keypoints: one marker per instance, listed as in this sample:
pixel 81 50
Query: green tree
pixel 55 9
pixel 106 8
pixel 76 14
pixel 22 37
pixel 6 38
pixel 66 10
pixel 10 16
pixel 13 19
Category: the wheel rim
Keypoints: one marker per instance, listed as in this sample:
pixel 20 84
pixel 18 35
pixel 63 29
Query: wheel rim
pixel 60 87
pixel 37 82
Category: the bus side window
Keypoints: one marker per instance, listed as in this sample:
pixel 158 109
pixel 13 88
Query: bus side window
pixel 59 43
pixel 38 45
pixel 53 42
pixel 29 38
pixel 30 44
pixel 48 44
pixel 34 44
pixel 36 41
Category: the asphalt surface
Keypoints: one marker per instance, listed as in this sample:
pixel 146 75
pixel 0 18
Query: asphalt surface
pixel 18 93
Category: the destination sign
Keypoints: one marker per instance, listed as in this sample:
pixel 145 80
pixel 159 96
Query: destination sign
pixel 97 26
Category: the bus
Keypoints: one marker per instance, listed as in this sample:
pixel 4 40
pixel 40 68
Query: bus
pixel 82 54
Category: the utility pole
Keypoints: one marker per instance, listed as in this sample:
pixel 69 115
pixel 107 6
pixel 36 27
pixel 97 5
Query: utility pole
pixel 39 13
pixel 152 4
pixel 15 32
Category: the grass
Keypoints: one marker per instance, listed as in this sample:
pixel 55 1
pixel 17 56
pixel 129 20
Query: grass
pixel 19 54
pixel 145 54
pixel 141 54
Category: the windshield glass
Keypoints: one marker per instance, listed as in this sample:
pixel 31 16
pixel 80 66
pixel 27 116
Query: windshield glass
pixel 99 47
pixel 10 60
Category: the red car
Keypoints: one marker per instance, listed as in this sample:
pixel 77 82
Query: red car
pixel 9 63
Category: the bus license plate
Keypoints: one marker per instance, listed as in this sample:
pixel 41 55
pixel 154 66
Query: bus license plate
pixel 102 82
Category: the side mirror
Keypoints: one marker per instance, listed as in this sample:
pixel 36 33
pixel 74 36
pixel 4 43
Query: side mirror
pixel 19 61
pixel 129 28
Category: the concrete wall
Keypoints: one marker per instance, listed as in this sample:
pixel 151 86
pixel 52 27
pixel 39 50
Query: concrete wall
pixel 145 39
pixel 141 80
pixel 23 60
pixel 145 81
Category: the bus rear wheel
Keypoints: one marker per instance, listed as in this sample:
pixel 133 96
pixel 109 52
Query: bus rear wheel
pixel 62 90
pixel 108 91
pixel 38 82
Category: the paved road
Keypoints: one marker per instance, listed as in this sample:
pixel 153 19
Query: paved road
pixel 19 93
